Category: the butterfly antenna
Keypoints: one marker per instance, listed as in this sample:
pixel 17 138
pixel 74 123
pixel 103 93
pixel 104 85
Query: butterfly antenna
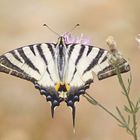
pixel 45 25
pixel 74 28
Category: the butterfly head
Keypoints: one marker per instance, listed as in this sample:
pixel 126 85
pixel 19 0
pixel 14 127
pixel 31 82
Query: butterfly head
pixel 61 40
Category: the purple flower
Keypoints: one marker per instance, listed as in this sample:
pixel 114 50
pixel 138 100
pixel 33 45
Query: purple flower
pixel 80 40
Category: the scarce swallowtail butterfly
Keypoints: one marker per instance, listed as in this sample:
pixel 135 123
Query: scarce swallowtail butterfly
pixel 61 71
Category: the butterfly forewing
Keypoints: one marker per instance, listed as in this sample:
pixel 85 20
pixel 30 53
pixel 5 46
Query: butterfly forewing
pixel 33 62
pixel 83 61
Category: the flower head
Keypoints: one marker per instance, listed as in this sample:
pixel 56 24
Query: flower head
pixel 114 55
pixel 71 39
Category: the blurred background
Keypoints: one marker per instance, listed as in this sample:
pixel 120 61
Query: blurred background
pixel 24 113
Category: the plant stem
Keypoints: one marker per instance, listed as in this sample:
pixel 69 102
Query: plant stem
pixel 101 106
pixel 95 102
pixel 134 129
pixel 124 88
pixel 135 126
pixel 132 108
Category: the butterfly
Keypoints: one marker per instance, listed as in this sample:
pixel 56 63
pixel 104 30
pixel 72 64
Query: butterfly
pixel 61 71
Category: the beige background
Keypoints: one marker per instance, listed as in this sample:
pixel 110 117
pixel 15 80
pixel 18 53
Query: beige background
pixel 24 114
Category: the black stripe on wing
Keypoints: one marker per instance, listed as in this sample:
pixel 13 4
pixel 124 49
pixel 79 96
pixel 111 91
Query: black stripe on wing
pixel 49 74
pixel 7 67
pixel 71 50
pixel 27 60
pixel 89 50
pixel 6 62
pixel 94 62
pixel 40 51
pixel 80 54
pixel 16 56
pixel 104 59
pixel 32 49
pixel 74 73
pixel 50 47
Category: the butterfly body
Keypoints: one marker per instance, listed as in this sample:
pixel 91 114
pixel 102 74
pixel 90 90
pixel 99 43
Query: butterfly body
pixel 61 71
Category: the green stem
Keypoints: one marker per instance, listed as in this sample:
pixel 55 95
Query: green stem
pixel 95 102
pixel 135 126
pixel 101 106
pixel 129 102
pixel 126 91
pixel 124 88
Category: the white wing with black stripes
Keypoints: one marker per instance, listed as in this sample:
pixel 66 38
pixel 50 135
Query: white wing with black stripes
pixel 89 60
pixel 34 63
pixel 61 71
